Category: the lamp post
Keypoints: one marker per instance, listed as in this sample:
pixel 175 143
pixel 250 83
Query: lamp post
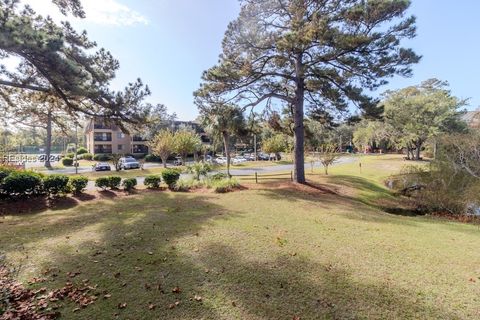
pixel 76 148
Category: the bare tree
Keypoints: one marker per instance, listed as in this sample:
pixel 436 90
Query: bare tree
pixel 328 155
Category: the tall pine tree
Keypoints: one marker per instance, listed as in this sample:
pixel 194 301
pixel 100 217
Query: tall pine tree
pixel 310 53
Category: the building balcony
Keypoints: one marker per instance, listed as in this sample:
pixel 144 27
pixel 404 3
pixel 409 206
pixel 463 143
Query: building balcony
pixel 103 139
pixel 102 148
pixel 102 126
pixel 138 139
pixel 139 148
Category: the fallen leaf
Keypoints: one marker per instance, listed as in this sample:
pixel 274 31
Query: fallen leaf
pixel 151 306
pixel 176 290
pixel 197 298
pixel 122 305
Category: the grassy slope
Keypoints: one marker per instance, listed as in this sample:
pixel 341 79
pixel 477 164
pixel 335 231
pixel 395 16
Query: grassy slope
pixel 267 253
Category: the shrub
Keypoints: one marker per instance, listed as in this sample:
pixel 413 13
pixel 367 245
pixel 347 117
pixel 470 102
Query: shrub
pixel 170 176
pixel 55 184
pixel 82 150
pixel 225 185
pixel 129 184
pixel 5 172
pixel 114 182
pixel 152 181
pixel 450 184
pixel 70 155
pixel 185 185
pixel 101 157
pixel 102 182
pixel 22 183
pixel 199 169
pixel 67 162
pixel 218 176
pixel 87 156
pixel 77 184
pixel 152 158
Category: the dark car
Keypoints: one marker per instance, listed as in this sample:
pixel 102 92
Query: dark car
pixel 263 156
pixel 102 166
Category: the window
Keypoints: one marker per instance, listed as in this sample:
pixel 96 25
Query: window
pixel 120 135
pixel 120 147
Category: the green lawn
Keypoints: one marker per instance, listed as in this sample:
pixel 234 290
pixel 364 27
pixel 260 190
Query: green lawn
pixel 275 251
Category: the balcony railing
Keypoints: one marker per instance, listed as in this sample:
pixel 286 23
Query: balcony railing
pixel 138 138
pixel 139 149
pixel 103 138
pixel 101 126
pixel 103 150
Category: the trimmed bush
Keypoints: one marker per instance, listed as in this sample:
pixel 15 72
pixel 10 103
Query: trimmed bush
pixel 5 172
pixel 101 157
pixel 102 182
pixel 78 184
pixel 82 150
pixel 22 183
pixel 225 185
pixel 55 184
pixel 152 158
pixel 67 162
pixel 129 184
pixel 70 155
pixel 170 177
pixel 152 181
pixel 114 182
pixel 86 156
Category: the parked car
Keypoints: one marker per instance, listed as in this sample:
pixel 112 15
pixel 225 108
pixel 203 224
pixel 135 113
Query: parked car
pixel 178 161
pixel 129 163
pixel 102 166
pixel 221 160
pixel 263 156
pixel 238 160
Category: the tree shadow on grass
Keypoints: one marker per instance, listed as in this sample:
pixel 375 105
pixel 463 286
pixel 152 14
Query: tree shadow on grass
pixel 285 287
pixel 127 248
pixel 133 254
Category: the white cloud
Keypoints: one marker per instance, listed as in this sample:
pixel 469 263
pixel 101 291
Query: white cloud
pixel 102 12
pixel 111 12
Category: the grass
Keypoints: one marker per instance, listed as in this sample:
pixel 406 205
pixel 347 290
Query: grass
pixel 134 173
pixel 275 251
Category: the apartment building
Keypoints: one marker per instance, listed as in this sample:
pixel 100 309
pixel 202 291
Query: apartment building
pixel 102 137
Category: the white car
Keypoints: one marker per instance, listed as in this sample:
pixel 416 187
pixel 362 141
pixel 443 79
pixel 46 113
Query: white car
pixel 238 160
pixel 221 160
pixel 129 163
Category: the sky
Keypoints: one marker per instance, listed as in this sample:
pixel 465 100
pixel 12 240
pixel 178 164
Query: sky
pixel 169 43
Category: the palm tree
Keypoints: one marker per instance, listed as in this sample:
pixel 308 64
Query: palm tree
pixel 225 120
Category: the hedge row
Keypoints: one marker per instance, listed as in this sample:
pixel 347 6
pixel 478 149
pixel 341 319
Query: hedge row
pixel 19 183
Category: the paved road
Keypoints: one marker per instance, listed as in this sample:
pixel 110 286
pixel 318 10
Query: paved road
pixel 281 168
pixel 242 171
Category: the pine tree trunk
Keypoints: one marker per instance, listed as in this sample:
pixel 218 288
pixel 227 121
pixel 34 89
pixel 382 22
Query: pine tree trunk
pixel 48 142
pixel 299 131
pixel 227 150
